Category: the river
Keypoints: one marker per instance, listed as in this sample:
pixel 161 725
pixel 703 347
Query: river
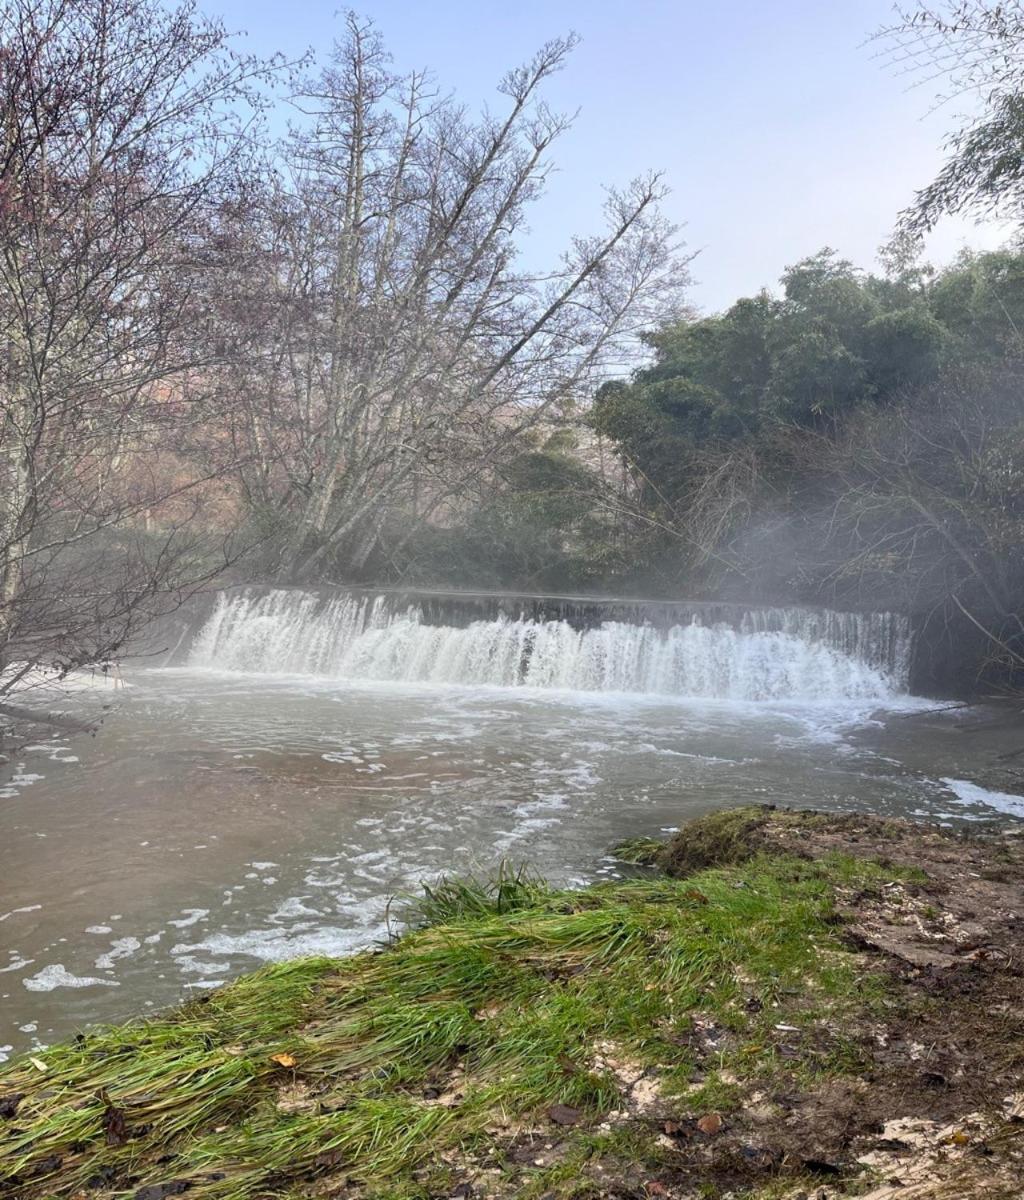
pixel 302 766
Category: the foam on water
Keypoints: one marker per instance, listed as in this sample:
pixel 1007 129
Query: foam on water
pixel 768 654
pixel 972 794
pixel 57 976
pixel 119 948
pixel 25 908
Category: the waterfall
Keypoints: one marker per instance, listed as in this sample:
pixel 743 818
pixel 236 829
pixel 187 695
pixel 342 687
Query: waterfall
pixel 757 654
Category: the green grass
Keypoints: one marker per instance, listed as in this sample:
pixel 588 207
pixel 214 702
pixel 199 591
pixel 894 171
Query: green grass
pixel 433 1051
pixel 454 899
pixel 640 851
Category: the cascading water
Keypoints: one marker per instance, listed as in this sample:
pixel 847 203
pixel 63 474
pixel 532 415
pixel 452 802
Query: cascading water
pixel 762 654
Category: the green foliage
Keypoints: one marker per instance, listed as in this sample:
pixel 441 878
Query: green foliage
pixel 904 348
pixel 854 441
pixel 538 526
pixel 974 46
pixel 457 898
pixel 980 300
pixel 834 342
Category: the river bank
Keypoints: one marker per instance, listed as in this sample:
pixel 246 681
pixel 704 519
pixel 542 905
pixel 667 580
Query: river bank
pixel 782 1004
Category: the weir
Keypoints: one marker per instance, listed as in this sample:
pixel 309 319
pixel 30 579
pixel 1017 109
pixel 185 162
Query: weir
pixel 676 648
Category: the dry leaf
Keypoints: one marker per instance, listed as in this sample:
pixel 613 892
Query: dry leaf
pixel 283 1060
pixel 115 1127
pixel 562 1114
pixel 710 1124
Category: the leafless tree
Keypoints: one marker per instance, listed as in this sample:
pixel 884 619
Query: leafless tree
pixel 926 513
pixel 405 347
pixel 121 135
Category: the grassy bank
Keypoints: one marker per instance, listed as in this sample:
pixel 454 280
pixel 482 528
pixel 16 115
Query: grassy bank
pixel 691 1034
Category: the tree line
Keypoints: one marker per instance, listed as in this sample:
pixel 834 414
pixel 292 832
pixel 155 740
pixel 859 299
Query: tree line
pixel 321 357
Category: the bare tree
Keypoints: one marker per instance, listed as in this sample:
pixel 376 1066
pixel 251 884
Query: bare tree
pixel 120 137
pixel 926 514
pixel 405 347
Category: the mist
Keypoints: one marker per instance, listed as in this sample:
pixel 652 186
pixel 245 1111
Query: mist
pixel 476 717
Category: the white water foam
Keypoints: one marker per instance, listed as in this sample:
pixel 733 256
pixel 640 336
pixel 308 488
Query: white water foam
pixel 971 793
pixel 771 654
pixel 58 975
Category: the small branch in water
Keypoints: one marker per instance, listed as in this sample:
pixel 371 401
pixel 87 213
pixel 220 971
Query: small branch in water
pixel 59 720
pixel 923 712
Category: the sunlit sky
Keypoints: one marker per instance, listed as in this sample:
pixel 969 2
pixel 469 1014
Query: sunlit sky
pixel 776 126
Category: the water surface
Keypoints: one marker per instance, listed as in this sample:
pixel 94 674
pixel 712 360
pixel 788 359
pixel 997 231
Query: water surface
pixel 221 819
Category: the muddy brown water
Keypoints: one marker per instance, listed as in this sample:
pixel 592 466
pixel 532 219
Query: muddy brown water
pixel 219 821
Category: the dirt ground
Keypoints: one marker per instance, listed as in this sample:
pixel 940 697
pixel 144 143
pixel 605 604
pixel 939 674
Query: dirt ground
pixel 933 1101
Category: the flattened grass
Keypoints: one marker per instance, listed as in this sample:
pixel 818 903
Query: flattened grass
pixel 386 1067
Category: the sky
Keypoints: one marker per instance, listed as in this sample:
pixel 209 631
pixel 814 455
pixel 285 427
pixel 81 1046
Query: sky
pixel 776 126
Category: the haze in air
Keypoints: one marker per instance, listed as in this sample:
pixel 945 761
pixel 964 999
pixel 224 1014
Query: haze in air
pixel 511 622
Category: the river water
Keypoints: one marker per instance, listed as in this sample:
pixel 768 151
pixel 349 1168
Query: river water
pixel 234 810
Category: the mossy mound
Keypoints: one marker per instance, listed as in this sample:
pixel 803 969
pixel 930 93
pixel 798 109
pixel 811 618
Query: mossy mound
pixel 718 839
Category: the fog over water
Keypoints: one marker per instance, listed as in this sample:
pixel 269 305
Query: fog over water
pixel 309 760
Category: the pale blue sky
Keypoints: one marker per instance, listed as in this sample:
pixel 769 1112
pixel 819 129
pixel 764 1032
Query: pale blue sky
pixel 776 128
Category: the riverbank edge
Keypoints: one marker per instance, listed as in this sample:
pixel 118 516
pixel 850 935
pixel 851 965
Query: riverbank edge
pixel 780 1003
